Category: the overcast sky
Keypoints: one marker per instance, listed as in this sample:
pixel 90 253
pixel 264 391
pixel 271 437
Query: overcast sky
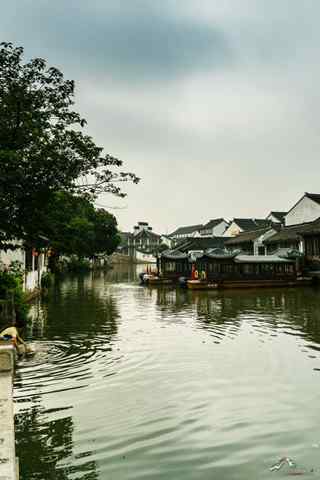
pixel 213 103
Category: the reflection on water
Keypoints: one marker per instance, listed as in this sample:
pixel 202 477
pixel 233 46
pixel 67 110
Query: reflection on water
pixel 131 382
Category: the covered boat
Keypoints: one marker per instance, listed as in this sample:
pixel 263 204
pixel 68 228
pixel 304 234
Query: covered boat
pixel 234 270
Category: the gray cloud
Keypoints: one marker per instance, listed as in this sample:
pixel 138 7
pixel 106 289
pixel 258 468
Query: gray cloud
pixel 136 43
pixel 214 104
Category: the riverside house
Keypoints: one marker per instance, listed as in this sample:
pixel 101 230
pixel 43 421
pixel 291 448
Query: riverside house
pixel 142 244
pixel 214 228
pixel 277 217
pixel 33 263
pixel 310 235
pixel 182 233
pixel 251 242
pixel 307 209
pixel 239 225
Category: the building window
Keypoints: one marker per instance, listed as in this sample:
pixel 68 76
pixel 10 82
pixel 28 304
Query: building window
pixel 170 266
pixel 227 268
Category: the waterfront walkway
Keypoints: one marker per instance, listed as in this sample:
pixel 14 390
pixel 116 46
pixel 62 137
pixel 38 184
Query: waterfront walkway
pixel 8 464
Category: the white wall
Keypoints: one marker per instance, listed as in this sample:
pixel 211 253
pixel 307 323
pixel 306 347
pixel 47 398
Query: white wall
pixel 145 257
pixel 305 211
pixel 259 242
pixel 32 278
pixel 273 219
pixel 167 241
pixel 232 230
pixel 219 229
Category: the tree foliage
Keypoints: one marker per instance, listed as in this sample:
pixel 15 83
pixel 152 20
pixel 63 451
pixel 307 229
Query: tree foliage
pixel 42 145
pixel 75 227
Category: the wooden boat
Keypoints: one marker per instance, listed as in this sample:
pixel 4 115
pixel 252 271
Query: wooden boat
pixel 153 280
pixel 201 285
pixel 159 281
pixel 219 269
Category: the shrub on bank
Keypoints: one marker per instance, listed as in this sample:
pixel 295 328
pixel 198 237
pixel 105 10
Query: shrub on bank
pixel 11 289
pixel 76 265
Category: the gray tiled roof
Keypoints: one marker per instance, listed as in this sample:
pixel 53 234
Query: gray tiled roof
pixel 147 233
pixel 219 253
pixel 262 259
pixel 212 223
pixel 251 223
pixel 202 243
pixel 312 228
pixel 186 230
pixel 292 232
pixel 313 196
pixel 279 215
pixel 248 236
pixel 174 255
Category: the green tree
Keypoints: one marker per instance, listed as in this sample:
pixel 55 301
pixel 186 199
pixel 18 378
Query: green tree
pixel 42 145
pixel 74 227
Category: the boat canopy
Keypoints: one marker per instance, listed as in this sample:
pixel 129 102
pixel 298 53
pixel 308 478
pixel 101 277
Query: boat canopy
pixel 174 255
pixel 262 259
pixel 289 253
pixel 219 253
pixel 282 256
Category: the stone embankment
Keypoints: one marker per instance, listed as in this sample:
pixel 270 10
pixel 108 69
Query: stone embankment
pixel 8 462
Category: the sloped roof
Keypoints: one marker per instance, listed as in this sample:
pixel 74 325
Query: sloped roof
pixel 288 253
pixel 248 236
pixel 261 259
pixel 147 233
pixel 213 223
pixel 174 255
pixel 219 253
pixel 313 196
pixel 251 223
pixel 186 230
pixel 312 228
pixel 202 243
pixel 278 215
pixel 292 232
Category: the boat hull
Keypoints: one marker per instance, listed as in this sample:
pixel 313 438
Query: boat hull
pixel 158 281
pixel 201 285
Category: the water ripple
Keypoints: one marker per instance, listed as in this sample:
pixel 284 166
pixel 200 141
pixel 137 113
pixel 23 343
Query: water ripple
pixel 132 383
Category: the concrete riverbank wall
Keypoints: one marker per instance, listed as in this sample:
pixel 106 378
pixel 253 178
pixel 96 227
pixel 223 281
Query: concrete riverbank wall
pixel 8 462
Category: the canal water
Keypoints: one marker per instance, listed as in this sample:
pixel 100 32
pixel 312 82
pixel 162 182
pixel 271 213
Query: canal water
pixel 130 382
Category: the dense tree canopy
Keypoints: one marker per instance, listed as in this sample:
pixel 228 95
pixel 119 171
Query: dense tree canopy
pixel 42 146
pixel 74 226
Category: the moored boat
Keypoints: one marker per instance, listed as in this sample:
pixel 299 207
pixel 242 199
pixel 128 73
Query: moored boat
pixel 217 268
pixel 153 279
pixel 201 285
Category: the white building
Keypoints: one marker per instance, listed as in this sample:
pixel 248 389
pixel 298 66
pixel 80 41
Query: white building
pixel 277 217
pixel 307 209
pixel 239 225
pixel 214 228
pixel 33 264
